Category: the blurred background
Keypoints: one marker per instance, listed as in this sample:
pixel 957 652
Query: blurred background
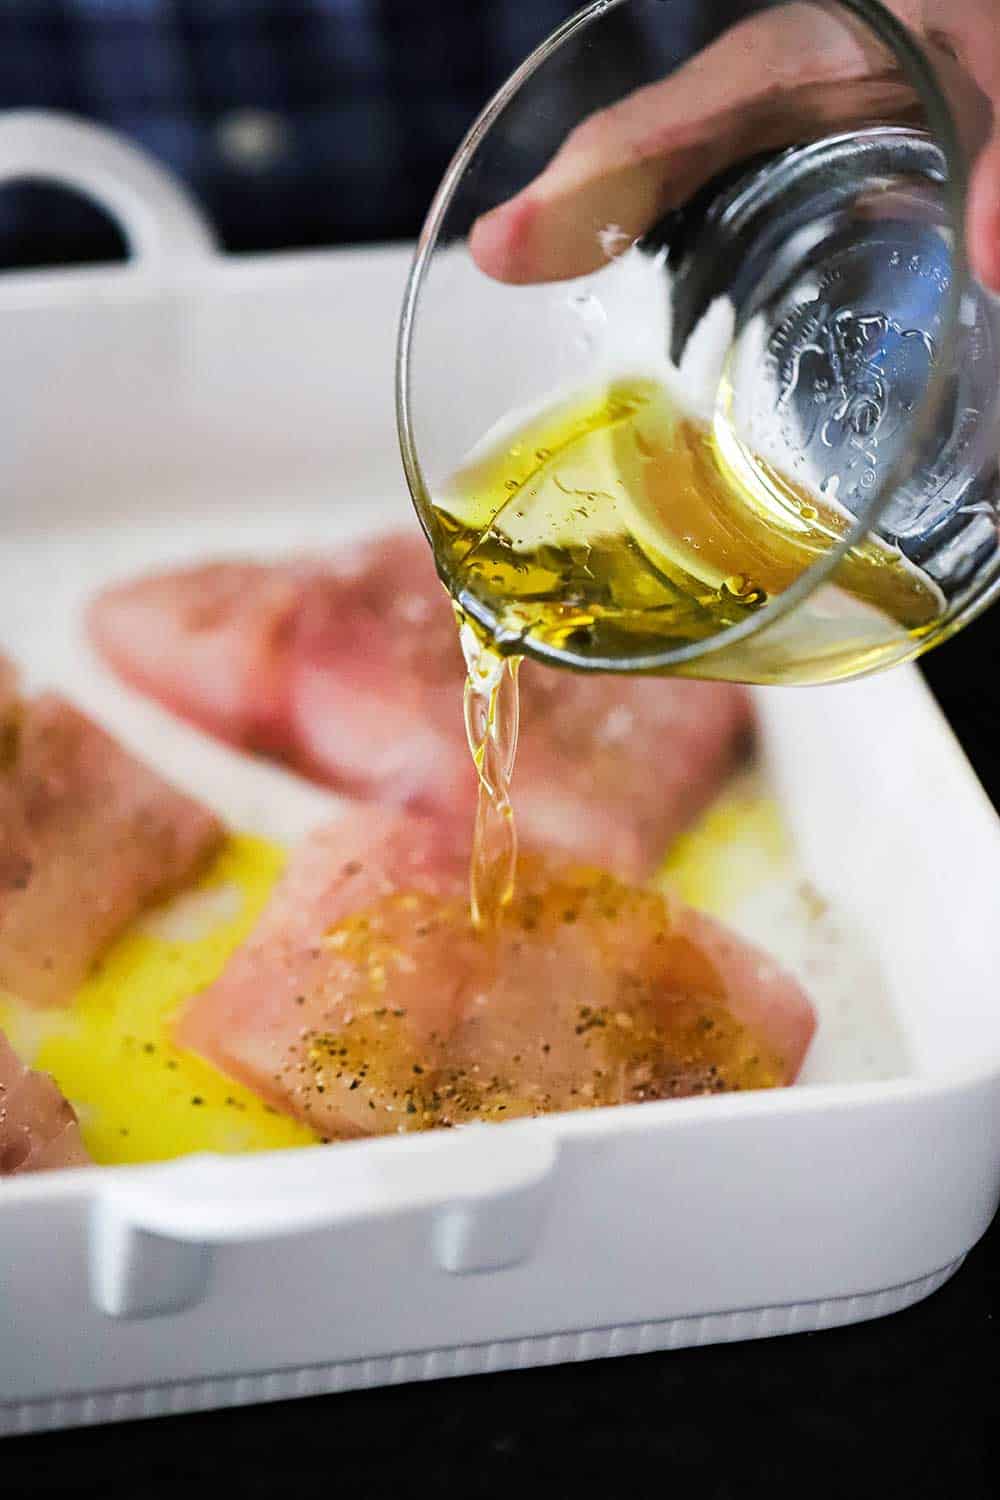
pixel 295 123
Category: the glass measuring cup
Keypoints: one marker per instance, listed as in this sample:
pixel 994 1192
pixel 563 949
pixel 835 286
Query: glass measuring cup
pixel 757 439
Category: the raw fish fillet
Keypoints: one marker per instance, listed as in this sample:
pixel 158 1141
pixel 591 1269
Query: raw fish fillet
pixel 38 1127
pixel 350 671
pixel 365 1003
pixel 89 837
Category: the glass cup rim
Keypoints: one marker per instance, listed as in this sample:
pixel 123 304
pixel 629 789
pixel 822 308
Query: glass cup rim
pixel 942 131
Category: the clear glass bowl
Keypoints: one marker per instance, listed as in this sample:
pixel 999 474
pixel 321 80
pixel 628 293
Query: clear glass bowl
pixel 800 293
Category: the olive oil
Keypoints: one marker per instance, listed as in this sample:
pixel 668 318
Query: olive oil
pixel 491 724
pixel 138 1095
pixel 615 529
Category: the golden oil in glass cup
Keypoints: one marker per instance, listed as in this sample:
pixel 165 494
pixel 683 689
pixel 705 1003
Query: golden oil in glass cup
pixel 760 444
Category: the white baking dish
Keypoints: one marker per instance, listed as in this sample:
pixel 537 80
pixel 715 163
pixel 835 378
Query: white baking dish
pixel 185 403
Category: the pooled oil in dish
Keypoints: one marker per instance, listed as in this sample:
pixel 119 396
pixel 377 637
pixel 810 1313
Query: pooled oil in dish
pixel 618 528
pixel 140 1098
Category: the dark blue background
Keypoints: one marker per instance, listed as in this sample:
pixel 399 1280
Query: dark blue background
pixel 362 103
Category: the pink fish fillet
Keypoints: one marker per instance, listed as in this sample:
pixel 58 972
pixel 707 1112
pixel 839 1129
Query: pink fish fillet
pixel 89 837
pixel 364 1003
pixel 351 672
pixel 210 642
pixel 38 1128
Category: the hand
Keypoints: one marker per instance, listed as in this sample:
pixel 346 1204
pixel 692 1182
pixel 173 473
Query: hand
pixel 778 78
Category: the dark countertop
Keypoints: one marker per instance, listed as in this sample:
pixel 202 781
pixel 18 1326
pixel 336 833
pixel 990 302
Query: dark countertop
pixel 904 1406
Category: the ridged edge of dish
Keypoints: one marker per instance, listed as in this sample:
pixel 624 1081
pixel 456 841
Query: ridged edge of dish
pixel 175 1398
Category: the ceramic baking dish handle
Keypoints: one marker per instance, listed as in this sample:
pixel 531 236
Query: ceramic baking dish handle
pixel 483 1191
pixel 158 219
